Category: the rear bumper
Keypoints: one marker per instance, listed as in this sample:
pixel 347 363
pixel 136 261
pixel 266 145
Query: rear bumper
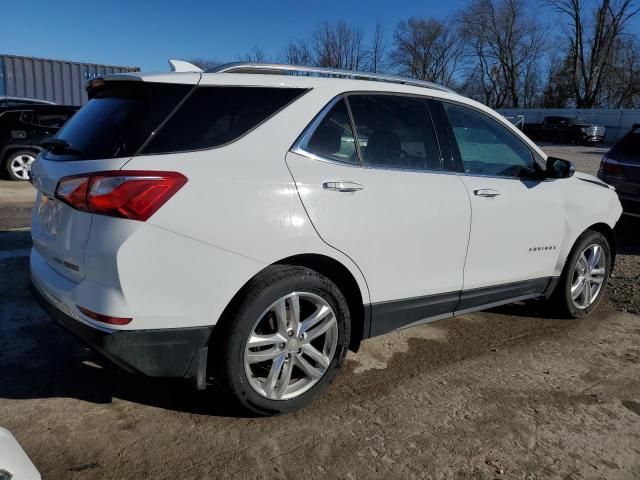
pixel 179 352
pixel 630 204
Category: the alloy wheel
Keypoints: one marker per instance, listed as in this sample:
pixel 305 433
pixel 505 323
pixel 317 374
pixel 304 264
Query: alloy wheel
pixel 588 276
pixel 21 165
pixel 291 346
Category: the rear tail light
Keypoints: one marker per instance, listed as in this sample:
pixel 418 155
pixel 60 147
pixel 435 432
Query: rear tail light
pixel 104 318
pixel 135 195
pixel 611 167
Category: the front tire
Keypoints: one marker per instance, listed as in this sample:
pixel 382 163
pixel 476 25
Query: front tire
pixel 585 276
pixel 283 342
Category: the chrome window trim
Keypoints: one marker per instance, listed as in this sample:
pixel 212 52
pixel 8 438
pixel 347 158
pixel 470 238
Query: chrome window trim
pixel 319 158
pixel 301 142
pixel 313 156
pixel 298 146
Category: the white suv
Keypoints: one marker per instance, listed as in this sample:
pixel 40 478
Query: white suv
pixel 252 227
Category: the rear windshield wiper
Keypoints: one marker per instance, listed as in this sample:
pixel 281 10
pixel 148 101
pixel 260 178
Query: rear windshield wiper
pixel 57 144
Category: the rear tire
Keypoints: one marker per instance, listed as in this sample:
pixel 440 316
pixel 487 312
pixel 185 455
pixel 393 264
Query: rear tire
pixel 584 277
pixel 17 165
pixel 291 363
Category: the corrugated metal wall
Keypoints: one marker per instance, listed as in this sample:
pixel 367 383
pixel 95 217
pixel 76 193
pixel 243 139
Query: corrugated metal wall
pixel 617 122
pixel 54 80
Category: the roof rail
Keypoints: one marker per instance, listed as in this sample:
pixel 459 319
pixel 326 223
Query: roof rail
pixel 283 69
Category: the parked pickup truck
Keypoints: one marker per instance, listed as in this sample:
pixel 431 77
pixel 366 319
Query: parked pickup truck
pixel 565 129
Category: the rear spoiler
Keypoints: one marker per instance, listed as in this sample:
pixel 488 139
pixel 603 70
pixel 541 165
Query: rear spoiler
pixel 184 75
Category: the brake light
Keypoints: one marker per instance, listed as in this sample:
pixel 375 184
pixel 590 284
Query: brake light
pixel 104 318
pixel 611 167
pixel 135 195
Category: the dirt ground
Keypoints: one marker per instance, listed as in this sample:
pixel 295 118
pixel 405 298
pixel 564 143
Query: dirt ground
pixel 16 200
pixel 510 394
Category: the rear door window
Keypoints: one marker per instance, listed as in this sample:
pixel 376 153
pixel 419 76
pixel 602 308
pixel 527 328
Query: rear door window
pixel 333 138
pixel 214 116
pixel 395 131
pixel 118 119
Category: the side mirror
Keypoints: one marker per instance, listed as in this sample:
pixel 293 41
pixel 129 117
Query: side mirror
pixel 559 168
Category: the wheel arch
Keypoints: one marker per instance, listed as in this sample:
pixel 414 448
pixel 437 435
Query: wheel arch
pixel 609 234
pixel 9 149
pixel 345 281
pixel 339 274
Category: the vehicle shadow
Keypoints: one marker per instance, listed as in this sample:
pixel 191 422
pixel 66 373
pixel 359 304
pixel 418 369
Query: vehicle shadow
pixel 50 363
pixel 67 369
pixel 535 308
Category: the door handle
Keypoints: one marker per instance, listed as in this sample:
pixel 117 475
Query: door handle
pixel 486 192
pixel 342 186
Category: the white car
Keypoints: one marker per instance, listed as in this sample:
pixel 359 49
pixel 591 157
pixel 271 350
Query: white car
pixel 251 225
pixel 14 462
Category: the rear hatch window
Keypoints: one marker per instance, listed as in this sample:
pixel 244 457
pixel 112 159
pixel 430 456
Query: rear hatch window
pixel 629 146
pixel 123 119
pixel 117 121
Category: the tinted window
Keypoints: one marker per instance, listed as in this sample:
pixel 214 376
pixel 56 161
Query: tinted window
pixel 333 138
pixel 214 116
pixel 630 144
pixel 395 131
pixel 52 120
pixel 487 147
pixel 118 119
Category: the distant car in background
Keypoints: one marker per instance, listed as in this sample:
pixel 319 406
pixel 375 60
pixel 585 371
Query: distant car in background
pixel 23 126
pixel 620 167
pixel 565 129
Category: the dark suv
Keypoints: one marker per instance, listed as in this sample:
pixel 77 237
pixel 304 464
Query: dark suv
pixel 620 167
pixel 22 127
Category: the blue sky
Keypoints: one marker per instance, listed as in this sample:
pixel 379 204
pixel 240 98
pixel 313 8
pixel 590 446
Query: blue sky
pixel 147 33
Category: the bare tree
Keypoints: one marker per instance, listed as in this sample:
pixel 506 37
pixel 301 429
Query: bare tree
pixel 296 53
pixel 256 55
pixel 558 92
pixel 426 49
pixel 504 44
pixel 338 45
pixel 592 39
pixel 621 86
pixel 376 52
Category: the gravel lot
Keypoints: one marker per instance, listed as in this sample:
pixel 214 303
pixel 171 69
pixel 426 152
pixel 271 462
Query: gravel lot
pixel 508 394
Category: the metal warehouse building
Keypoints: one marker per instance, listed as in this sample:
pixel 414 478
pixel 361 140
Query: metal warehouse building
pixel 53 80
